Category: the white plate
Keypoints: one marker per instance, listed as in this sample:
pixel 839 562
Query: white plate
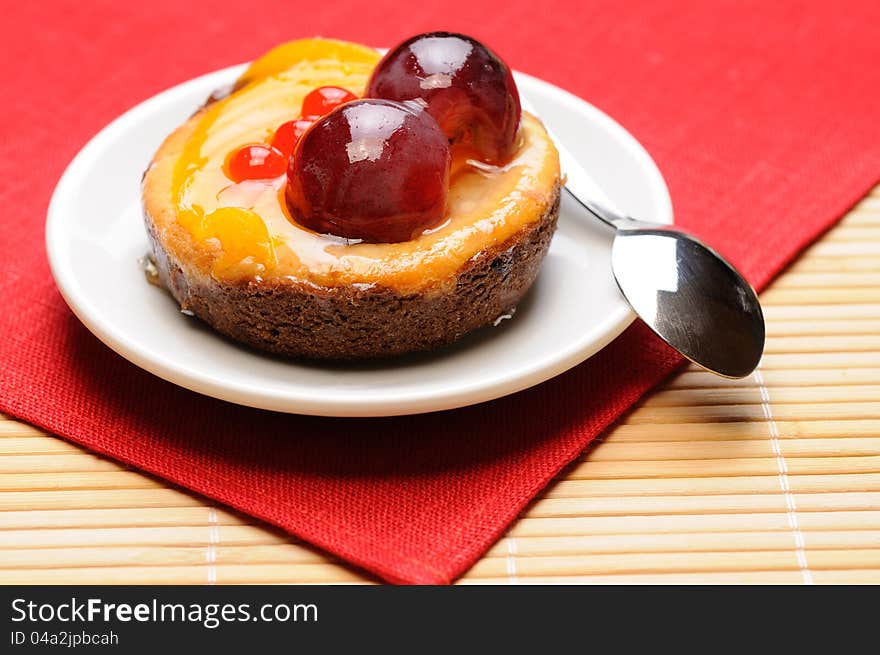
pixel 95 235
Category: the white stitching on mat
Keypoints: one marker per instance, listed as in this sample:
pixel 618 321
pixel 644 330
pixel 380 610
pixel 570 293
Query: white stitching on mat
pixel 213 543
pixel 511 560
pixel 790 506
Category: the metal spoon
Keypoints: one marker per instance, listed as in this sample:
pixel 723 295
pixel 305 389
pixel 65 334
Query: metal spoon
pixel 686 292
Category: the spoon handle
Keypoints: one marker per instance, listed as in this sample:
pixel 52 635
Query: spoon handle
pixel 579 184
pixel 601 212
pixel 581 187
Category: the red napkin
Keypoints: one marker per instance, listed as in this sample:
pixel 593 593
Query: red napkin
pixel 763 116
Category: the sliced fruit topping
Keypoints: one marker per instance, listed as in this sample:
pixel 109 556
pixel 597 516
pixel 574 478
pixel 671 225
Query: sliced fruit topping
pixel 256 161
pixel 244 240
pixel 282 57
pixel 324 99
pixel 466 86
pixel 373 169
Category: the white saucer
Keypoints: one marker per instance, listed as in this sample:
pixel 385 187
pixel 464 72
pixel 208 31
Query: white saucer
pixel 95 236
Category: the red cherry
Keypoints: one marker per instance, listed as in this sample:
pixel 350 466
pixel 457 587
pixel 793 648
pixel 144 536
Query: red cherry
pixel 324 99
pixel 288 134
pixel 255 162
pixel 467 88
pixel 374 169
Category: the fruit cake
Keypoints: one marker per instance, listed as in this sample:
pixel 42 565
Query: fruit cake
pixel 337 204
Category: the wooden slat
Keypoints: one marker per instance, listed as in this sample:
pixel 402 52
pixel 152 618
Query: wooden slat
pixel 772 501
pixel 681 543
pixel 835 280
pixel 742 395
pixel 161 556
pixel 731 466
pixel 740 449
pixel 172 573
pixel 623 563
pixel 695 523
pixel 825 344
pixel 836 264
pixel 97 498
pixel 731 430
pixel 196 515
pixel 87 480
pixel 756 484
pixel 824 327
pixel 750 412
pixel 200 536
pixel 814 311
pixel 772 479
pixel 852 576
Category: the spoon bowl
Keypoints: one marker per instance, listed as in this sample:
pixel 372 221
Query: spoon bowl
pixel 685 291
pixel 690 296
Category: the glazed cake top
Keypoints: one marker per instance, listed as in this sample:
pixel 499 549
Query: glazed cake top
pixel 243 231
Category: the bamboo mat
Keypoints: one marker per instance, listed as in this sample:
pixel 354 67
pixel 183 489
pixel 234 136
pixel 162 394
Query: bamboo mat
pixel 771 479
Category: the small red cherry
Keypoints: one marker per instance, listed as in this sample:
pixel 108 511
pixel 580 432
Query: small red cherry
pixel 324 99
pixel 256 162
pixel 288 134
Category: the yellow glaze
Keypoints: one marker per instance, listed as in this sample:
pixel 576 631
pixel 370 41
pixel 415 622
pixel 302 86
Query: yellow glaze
pixel 242 231
pixel 283 56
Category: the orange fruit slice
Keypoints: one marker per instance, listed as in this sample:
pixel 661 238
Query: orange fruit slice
pixel 282 57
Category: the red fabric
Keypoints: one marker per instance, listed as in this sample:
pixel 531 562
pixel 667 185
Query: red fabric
pixel 763 116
